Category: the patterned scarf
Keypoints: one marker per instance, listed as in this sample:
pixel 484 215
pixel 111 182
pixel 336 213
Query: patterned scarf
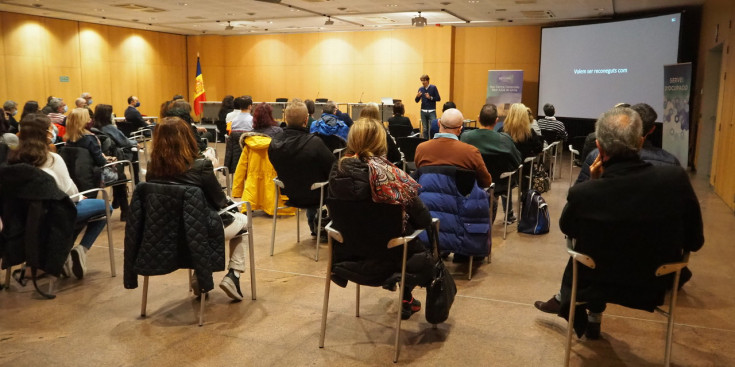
pixel 391 185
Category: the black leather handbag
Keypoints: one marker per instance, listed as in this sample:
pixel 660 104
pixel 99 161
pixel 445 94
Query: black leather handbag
pixel 440 294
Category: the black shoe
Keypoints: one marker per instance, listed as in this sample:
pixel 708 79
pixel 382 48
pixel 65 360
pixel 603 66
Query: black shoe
pixel 511 219
pixel 593 331
pixel 550 306
pixel 231 285
pixel 410 308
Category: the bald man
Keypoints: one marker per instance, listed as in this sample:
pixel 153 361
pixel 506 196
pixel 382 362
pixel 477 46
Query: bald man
pixel 446 149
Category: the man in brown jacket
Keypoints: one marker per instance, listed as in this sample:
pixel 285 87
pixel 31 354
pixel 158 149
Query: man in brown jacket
pixel 446 149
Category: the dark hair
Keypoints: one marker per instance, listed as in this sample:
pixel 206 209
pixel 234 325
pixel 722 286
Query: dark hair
pixel 238 103
pixel 29 108
pixel 398 109
pixel 549 109
pixel 174 149
pixel 310 106
pixel 263 116
pixel 4 124
pixel 165 106
pixel 177 97
pixel 246 102
pixel 32 141
pixel 130 99
pixel 648 116
pixel 488 114
pixel 181 109
pixel 448 105
pixel 227 103
pixel 424 77
pixel 102 115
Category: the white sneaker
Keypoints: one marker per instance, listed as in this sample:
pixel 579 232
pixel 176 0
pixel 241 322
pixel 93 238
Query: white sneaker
pixel 66 269
pixel 79 261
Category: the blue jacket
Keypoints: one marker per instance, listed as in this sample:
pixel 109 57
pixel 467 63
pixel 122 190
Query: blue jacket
pixel 464 221
pixel 330 125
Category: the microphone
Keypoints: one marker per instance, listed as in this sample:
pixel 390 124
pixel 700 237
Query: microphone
pixel 363 92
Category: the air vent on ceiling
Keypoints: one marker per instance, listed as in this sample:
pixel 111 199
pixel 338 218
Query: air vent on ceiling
pixel 525 2
pixel 138 7
pixel 380 20
pixel 196 17
pixel 538 14
pixel 315 1
pixel 270 1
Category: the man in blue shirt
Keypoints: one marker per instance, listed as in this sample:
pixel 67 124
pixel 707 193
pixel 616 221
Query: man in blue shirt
pixel 428 95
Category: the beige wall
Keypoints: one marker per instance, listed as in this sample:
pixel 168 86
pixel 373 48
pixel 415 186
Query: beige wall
pixel 721 13
pixel 111 63
pixel 340 66
pixel 478 50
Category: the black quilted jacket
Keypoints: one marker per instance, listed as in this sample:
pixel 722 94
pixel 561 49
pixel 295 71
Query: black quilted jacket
pixel 171 227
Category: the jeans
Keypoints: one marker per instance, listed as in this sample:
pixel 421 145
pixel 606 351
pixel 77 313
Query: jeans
pixel 87 209
pixel 426 118
pixel 311 218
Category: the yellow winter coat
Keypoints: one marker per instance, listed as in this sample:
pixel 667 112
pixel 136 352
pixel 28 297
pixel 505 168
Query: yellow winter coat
pixel 254 175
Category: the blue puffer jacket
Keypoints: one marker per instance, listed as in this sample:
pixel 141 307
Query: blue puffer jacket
pixel 330 125
pixel 464 221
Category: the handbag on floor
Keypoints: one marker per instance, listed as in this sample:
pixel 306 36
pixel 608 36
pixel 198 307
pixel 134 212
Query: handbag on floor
pixel 440 294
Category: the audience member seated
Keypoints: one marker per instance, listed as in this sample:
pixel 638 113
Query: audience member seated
pixel 33 149
pixel 446 149
pixel 496 147
pixel 300 159
pixel 263 121
pixel 10 109
pixel 398 118
pixel 57 109
pixel 122 149
pixel 434 124
pixel 630 218
pixel 133 117
pixel 649 153
pixel 227 106
pixel 29 108
pixel 372 112
pixel 175 158
pixel 551 129
pixel 518 127
pixel 311 108
pixel 77 136
pixel 329 123
pixel 364 174
pixel 242 122
pixel 6 137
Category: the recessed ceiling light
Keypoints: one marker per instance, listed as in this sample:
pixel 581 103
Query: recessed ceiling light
pixel 391 5
pixel 270 22
pixel 182 4
pixel 473 1
pixel 99 10
pixel 292 9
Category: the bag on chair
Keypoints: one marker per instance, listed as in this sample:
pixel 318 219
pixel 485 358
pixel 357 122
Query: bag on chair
pixel 541 180
pixel 534 214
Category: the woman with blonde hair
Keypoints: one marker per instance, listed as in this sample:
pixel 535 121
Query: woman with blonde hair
pixel 518 125
pixel 365 174
pixel 372 112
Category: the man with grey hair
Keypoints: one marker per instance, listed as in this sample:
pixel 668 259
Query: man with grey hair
pixel 80 102
pixel 446 149
pixel 87 97
pixel 10 108
pixel 630 218
pixel 58 108
pixel 330 124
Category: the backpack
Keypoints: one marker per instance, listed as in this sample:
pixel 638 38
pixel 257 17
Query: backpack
pixel 534 214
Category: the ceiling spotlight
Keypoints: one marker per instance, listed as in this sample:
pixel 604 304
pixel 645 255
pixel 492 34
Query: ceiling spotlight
pixel 329 21
pixel 418 21
pixel 229 26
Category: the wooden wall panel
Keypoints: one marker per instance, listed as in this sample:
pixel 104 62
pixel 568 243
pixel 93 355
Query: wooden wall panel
pixel 111 63
pixel 478 50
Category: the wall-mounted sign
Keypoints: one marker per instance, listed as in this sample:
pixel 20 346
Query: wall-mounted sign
pixel 64 79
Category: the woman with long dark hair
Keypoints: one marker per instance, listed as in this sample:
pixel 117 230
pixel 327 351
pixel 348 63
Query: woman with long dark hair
pixel 175 158
pixel 33 149
pixel 227 106
pixel 366 174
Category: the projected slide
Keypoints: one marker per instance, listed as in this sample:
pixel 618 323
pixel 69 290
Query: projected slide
pixel 587 69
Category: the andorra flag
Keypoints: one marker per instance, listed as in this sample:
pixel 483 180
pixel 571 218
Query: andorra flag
pixel 199 95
